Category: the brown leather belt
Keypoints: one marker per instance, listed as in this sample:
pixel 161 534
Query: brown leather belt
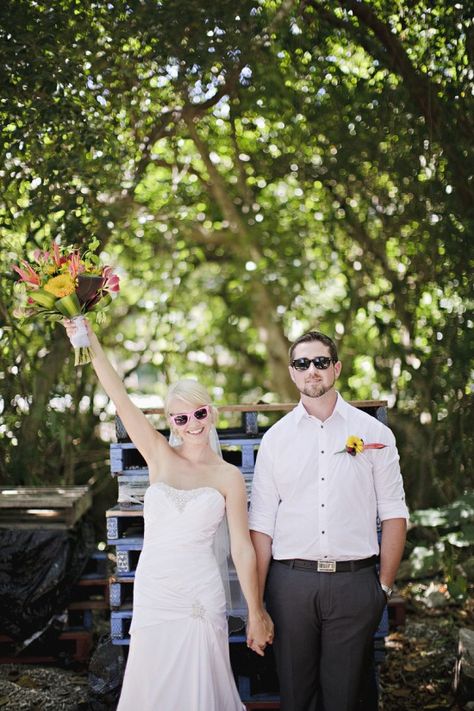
pixel 329 566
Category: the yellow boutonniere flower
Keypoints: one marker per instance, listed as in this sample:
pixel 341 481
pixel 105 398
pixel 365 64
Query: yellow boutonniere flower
pixel 355 445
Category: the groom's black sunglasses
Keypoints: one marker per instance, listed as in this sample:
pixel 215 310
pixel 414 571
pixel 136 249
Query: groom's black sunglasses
pixel 320 362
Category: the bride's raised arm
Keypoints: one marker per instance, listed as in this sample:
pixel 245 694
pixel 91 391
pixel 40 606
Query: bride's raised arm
pixel 146 439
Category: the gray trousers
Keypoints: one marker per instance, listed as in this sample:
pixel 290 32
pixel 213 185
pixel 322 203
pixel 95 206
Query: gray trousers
pixel 324 626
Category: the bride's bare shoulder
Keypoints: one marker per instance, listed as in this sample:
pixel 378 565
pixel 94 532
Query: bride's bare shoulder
pixel 230 476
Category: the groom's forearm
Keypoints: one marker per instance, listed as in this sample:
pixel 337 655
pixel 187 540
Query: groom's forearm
pixel 391 548
pixel 263 551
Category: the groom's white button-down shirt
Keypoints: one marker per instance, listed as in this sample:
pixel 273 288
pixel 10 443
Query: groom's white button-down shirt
pixel 317 502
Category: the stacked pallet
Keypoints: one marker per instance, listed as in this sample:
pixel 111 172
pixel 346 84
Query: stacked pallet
pixel 53 514
pixel 256 678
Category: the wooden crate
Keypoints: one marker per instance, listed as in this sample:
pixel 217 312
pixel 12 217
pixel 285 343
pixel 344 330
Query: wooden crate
pixel 43 507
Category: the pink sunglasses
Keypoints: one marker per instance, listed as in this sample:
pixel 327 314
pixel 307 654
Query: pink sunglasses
pixel 182 418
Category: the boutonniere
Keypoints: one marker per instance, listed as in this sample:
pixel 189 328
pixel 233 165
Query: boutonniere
pixel 355 445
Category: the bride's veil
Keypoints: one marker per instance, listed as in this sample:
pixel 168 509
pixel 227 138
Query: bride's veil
pixel 222 538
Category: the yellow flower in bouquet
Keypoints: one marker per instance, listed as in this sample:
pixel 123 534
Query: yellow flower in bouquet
pixel 61 285
pixel 62 282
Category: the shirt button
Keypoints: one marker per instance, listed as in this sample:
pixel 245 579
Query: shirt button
pixel 322 451
pixel 323 531
pixel 322 478
pixel 322 505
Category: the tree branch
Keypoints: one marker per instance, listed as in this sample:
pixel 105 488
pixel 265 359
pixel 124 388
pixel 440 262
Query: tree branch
pixel 422 91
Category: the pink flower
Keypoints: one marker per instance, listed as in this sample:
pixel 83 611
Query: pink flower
pixel 56 254
pixel 28 274
pixel 111 280
pixel 40 256
pixel 75 265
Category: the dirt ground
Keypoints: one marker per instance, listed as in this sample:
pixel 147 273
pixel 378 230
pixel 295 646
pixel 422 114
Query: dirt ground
pixel 36 688
pixel 416 675
pixel 418 669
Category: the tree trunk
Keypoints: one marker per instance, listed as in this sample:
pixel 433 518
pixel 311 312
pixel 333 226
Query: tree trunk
pixel 29 466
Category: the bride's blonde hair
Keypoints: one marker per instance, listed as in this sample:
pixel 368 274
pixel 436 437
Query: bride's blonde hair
pixel 190 391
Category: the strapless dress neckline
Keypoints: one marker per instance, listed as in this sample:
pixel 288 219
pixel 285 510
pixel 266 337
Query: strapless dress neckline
pixel 180 490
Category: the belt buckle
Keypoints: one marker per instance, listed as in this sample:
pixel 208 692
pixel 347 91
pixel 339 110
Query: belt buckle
pixel 326 566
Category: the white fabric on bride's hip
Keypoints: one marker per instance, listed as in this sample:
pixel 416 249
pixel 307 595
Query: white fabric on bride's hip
pixel 179 655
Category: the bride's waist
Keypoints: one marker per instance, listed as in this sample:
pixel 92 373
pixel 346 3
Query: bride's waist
pixel 184 549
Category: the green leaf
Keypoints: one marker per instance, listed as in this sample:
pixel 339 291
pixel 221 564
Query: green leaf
pixel 44 298
pixel 69 306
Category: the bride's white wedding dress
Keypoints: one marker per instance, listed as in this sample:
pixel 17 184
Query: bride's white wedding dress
pixel 179 654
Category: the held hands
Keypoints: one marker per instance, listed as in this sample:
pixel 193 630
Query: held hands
pixel 259 631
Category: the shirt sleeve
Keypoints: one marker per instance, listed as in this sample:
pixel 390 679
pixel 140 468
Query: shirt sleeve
pixel 265 499
pixel 388 480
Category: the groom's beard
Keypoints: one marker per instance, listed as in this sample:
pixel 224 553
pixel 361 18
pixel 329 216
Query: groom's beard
pixel 314 387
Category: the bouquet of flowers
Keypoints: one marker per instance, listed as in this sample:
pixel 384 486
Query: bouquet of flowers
pixel 62 282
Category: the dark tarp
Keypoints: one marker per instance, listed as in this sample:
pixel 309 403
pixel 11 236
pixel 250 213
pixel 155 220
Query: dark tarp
pixel 38 569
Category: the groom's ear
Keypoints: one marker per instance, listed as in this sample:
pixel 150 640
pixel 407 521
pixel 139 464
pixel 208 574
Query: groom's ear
pixel 337 368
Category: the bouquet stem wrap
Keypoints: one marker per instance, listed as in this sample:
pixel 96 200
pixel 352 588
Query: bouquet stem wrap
pixel 80 341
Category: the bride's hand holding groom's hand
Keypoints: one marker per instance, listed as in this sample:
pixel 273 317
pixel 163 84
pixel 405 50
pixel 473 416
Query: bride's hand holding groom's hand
pixel 259 631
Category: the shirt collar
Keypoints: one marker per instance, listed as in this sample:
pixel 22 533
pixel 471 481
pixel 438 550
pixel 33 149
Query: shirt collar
pixel 341 408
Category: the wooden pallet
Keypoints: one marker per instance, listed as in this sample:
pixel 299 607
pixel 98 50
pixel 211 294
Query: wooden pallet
pixel 90 594
pixel 43 507
pixel 124 523
pixel 74 644
pixel 261 705
pixel 238 450
pixel 249 416
pixel 121 593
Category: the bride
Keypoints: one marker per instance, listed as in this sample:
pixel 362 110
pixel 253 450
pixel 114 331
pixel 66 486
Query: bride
pixel 179 655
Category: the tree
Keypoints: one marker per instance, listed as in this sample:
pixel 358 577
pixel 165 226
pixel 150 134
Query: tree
pixel 256 172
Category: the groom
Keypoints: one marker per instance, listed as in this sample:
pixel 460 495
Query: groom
pixel 313 521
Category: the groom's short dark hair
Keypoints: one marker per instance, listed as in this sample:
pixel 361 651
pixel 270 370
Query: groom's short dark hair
pixel 310 336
